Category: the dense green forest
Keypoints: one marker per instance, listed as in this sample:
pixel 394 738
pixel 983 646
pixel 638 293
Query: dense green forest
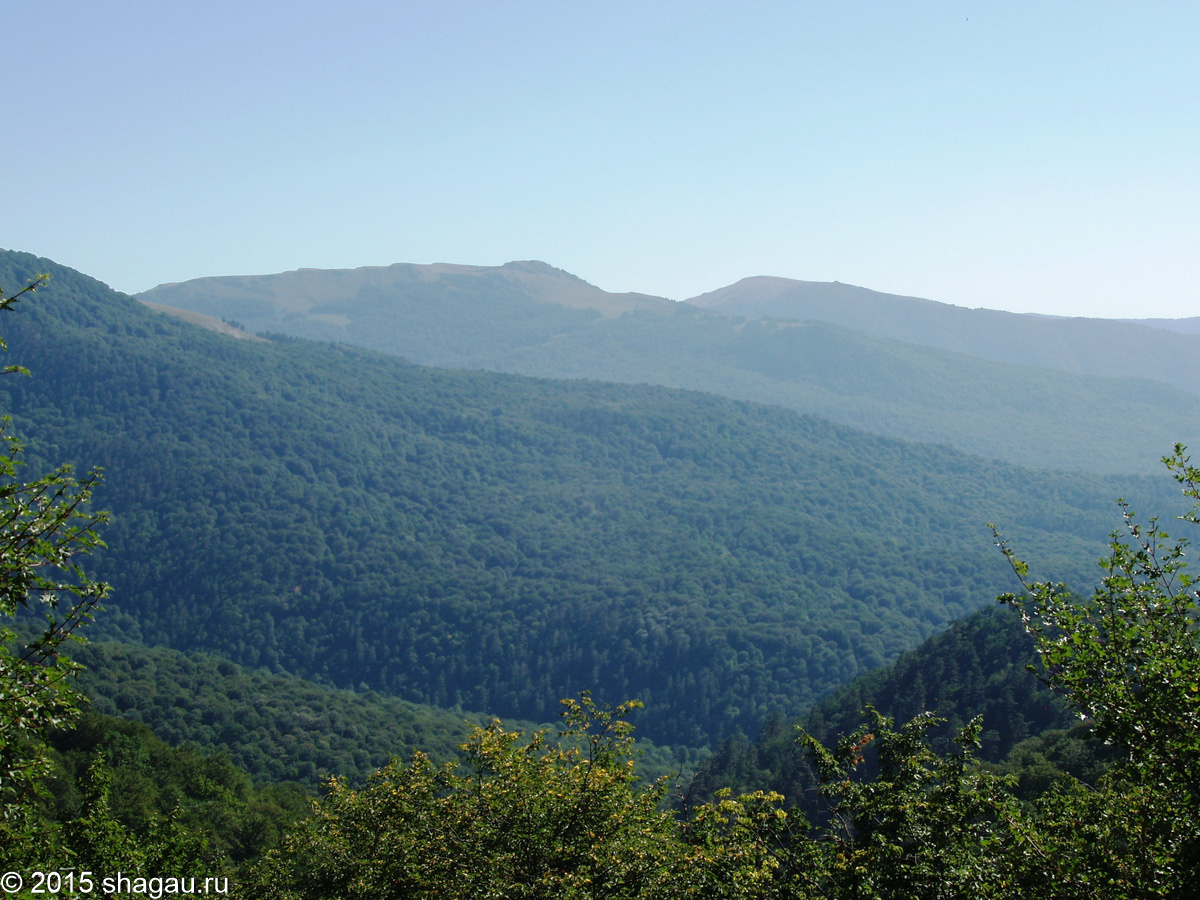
pixel 900 818
pixel 279 728
pixel 532 319
pixel 977 667
pixel 274 727
pixel 211 805
pixel 1106 810
pixel 494 542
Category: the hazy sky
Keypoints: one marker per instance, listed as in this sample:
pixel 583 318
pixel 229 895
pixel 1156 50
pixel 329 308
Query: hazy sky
pixel 1029 156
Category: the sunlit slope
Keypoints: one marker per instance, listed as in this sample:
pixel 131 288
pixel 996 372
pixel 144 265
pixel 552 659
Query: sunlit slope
pixel 499 542
pixel 533 319
pixel 438 314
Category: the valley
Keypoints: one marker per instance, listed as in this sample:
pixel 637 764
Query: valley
pixel 324 555
pixel 495 543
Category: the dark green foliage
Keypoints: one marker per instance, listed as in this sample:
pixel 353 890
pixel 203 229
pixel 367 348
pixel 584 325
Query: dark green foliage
pixel 466 539
pixel 150 786
pixel 495 543
pixel 277 728
pixel 977 667
pixel 531 319
pixel 1128 658
pixel 1056 756
pixel 46 526
pixel 117 799
pixel 282 728
pixel 925 826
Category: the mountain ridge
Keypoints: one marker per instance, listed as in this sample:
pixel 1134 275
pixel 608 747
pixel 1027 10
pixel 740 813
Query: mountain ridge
pixel 1107 347
pixel 532 319
pixel 502 541
pixel 565 289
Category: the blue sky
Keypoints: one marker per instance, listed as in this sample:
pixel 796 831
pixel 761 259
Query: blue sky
pixel 1026 156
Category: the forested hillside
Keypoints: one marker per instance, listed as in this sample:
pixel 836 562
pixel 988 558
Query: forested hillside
pixel 281 728
pixel 977 667
pixel 114 785
pixel 902 813
pixel 277 728
pixel 1190 325
pixel 1092 346
pixel 498 543
pixel 532 319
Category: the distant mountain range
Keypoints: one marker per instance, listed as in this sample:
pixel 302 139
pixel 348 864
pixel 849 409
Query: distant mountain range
pixel 496 542
pixel 1108 347
pixel 1072 394
pixel 1183 326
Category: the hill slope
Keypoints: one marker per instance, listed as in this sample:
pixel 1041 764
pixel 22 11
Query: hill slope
pixel 976 667
pixel 280 728
pixel 532 319
pixel 496 542
pixel 1190 325
pixel 1087 346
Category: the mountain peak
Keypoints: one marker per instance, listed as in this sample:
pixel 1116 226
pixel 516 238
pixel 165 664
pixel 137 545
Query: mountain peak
pixel 535 267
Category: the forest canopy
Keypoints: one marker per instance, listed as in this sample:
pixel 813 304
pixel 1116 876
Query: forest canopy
pixel 565 815
pixel 492 543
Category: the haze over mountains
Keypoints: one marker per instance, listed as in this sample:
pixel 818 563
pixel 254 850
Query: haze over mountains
pixel 1072 394
pixel 1190 325
pixel 1092 346
pixel 498 542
